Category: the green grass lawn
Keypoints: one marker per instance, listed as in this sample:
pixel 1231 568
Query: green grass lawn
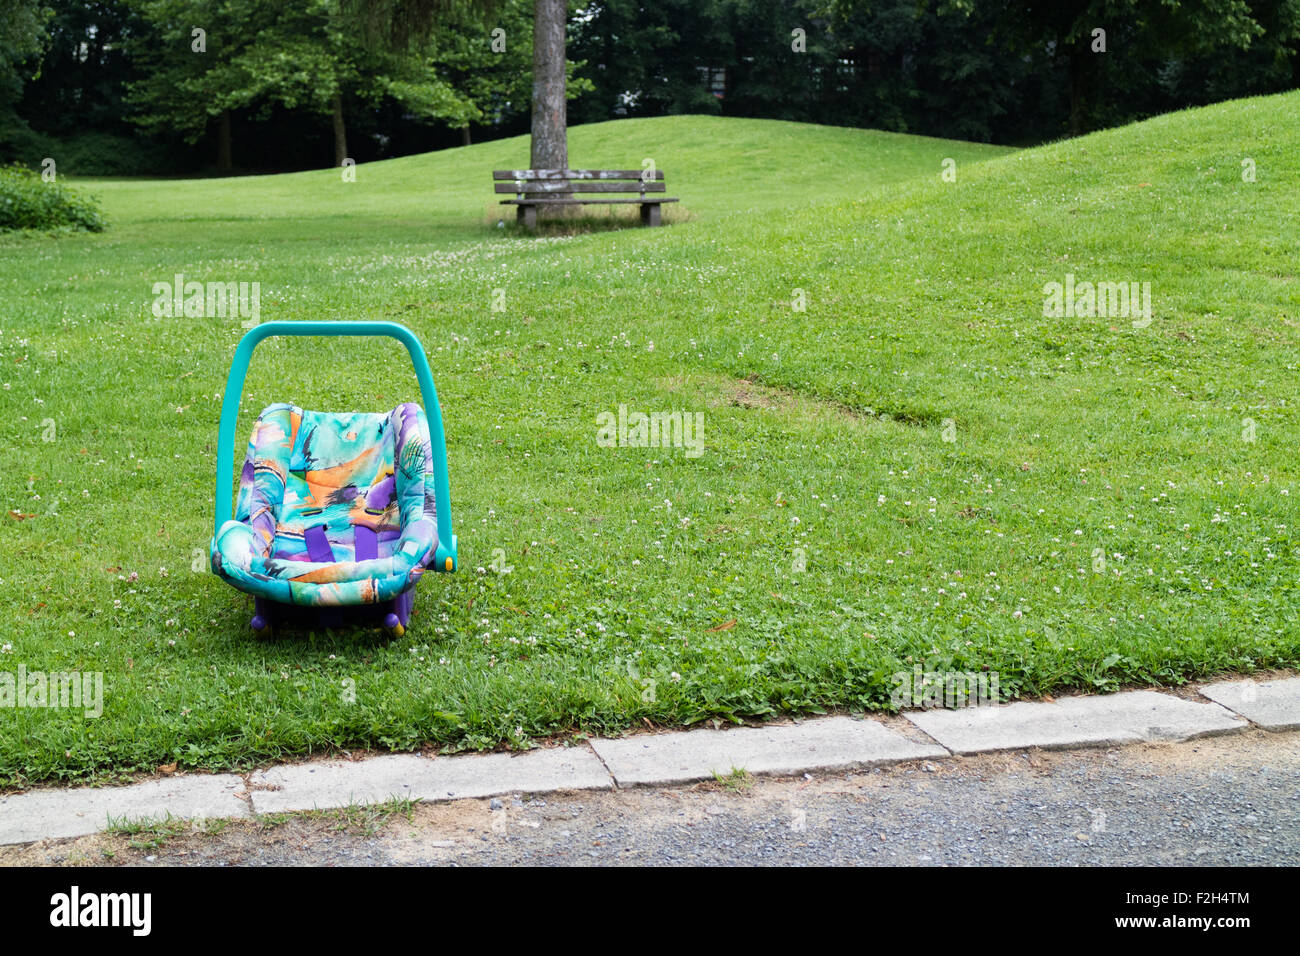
pixel 919 467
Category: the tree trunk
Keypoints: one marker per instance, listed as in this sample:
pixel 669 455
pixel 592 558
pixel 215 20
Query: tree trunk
pixel 340 132
pixel 224 163
pixel 464 136
pixel 1079 66
pixel 550 149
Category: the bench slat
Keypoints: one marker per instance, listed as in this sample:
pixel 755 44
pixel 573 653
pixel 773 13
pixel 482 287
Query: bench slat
pixel 542 174
pixel 530 188
pixel 648 201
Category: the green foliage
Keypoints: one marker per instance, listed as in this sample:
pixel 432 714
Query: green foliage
pixel 180 89
pixel 109 154
pixel 80 85
pixel 1082 41
pixel 277 79
pixel 22 38
pixel 22 31
pixel 19 143
pixel 310 55
pixel 497 83
pixel 1004 70
pixel 96 154
pixel 28 202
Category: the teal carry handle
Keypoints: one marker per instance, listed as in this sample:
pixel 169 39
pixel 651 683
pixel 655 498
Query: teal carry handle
pixel 445 556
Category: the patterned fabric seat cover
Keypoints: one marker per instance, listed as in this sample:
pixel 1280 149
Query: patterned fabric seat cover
pixel 333 508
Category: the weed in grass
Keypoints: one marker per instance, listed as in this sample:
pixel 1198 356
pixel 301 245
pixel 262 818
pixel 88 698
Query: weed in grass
pixel 148 834
pixel 737 781
pixel 369 818
pixel 212 826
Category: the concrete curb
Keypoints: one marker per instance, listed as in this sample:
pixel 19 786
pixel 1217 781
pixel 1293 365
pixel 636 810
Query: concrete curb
pixel 828 743
pixel 312 786
pixel 52 814
pixel 1116 719
pixel 1274 705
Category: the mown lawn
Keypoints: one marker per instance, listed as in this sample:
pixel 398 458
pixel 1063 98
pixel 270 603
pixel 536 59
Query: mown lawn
pixel 919 467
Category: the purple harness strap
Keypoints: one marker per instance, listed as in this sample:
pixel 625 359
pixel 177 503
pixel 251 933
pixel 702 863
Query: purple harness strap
pixel 318 546
pixel 367 543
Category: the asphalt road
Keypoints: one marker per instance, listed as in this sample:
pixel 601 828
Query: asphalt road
pixel 1222 800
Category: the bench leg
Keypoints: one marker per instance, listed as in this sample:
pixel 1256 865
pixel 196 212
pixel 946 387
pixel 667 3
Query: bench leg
pixel 526 216
pixel 650 214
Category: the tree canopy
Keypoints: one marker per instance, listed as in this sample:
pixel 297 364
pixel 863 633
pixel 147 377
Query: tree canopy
pixel 187 85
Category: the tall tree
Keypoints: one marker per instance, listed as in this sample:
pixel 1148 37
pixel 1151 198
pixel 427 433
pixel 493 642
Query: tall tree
pixel 487 56
pixel 22 30
pixel 189 82
pixel 550 142
pixel 311 55
pixel 22 38
pixel 1084 33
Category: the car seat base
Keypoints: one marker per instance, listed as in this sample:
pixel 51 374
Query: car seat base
pixel 393 616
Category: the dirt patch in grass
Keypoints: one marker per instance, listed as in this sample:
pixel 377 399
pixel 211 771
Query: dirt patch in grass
pixel 747 394
pixel 751 392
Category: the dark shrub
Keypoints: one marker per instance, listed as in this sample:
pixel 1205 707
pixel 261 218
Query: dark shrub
pixel 28 202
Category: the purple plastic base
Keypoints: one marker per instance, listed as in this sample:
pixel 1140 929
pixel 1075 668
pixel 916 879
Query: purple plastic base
pixel 386 614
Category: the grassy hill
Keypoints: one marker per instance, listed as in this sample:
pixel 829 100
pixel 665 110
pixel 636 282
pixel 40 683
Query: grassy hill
pixel 917 467
pixel 715 165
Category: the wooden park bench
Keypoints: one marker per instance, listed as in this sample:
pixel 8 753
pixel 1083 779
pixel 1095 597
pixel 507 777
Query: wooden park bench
pixel 570 187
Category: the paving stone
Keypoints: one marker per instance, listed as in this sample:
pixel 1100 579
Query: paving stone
pixel 822 744
pixel 406 776
pixel 54 814
pixel 1106 720
pixel 1273 704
